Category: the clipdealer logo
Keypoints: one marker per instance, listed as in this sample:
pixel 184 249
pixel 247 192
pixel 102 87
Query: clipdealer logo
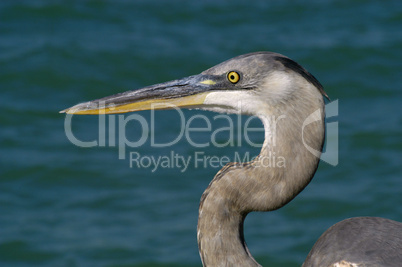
pixel 114 127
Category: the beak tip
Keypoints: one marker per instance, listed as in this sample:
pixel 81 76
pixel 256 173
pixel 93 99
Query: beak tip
pixel 78 108
pixel 71 110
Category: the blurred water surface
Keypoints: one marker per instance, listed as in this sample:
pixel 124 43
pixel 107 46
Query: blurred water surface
pixel 63 205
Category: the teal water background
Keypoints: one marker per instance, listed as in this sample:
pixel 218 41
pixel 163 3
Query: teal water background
pixel 63 205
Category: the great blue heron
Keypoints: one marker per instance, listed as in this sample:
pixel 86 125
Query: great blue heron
pixel 289 101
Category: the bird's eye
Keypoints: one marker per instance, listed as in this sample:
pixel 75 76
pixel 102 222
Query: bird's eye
pixel 233 77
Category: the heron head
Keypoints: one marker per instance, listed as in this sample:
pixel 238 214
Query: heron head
pixel 244 84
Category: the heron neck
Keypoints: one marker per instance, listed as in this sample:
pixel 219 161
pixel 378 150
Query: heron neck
pixel 220 237
pixel 260 185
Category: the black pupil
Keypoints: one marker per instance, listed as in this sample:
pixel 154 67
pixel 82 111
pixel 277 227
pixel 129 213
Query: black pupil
pixel 232 77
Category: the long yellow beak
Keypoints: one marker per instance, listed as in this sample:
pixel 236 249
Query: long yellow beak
pixel 187 92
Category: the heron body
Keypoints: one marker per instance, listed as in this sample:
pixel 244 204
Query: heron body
pixel 289 101
pixel 359 241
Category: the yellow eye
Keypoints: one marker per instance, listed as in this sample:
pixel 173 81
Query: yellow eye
pixel 233 77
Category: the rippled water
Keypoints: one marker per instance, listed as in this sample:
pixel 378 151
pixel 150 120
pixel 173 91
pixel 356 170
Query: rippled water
pixel 63 205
